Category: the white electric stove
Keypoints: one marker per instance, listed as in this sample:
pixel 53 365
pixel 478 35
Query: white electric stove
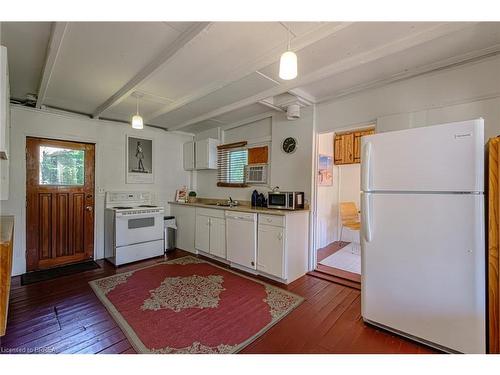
pixel 133 227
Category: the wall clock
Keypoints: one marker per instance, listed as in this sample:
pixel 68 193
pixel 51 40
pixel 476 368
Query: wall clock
pixel 289 145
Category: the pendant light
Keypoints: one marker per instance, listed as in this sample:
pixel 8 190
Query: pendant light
pixel 137 122
pixel 288 61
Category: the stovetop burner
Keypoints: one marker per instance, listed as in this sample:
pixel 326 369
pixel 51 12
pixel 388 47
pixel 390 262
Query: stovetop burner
pixel 122 208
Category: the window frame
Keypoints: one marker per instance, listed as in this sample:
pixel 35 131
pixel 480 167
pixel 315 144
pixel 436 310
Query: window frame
pixel 223 168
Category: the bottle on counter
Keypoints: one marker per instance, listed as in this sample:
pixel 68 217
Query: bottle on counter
pixel 255 195
pixel 261 200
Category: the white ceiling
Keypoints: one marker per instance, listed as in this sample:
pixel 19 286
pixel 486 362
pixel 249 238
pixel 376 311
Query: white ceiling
pixel 194 76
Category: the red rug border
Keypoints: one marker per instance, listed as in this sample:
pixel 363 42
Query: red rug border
pixel 136 342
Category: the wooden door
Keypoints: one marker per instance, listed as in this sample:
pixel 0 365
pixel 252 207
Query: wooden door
pixel 493 211
pixel 59 202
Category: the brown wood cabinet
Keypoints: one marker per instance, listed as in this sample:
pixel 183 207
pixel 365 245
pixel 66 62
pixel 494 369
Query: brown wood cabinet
pixel 493 245
pixel 6 241
pixel 347 146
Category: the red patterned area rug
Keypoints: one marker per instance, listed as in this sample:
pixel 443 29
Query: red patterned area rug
pixel 188 305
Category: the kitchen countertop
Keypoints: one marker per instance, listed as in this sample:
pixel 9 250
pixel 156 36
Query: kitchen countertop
pixel 244 208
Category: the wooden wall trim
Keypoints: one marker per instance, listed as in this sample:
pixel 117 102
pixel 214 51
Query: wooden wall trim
pixel 493 245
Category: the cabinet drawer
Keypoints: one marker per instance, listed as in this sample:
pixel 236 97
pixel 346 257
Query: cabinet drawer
pixel 276 220
pixel 212 212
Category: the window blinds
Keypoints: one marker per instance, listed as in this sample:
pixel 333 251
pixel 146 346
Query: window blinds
pixel 231 161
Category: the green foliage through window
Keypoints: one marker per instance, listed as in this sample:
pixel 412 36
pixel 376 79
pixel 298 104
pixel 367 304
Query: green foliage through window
pixel 60 166
pixel 237 161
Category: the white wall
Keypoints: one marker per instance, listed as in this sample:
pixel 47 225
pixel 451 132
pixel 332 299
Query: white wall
pixel 291 172
pixel 349 183
pixel 110 165
pixel 461 93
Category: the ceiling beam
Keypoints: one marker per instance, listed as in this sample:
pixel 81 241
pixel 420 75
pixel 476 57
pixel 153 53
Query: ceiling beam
pixel 161 59
pixel 373 54
pixel 466 58
pixel 260 62
pixel 53 49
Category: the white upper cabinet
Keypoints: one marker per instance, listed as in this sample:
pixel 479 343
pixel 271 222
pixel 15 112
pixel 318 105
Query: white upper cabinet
pixel 188 156
pixel 4 104
pixel 206 153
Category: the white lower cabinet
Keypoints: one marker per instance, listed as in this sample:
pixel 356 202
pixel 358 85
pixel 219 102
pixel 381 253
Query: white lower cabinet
pixel 210 232
pixel 275 246
pixel 202 235
pixel 185 219
pixel 271 250
pixel 218 237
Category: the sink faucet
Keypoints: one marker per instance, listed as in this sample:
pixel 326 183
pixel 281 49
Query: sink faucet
pixel 231 202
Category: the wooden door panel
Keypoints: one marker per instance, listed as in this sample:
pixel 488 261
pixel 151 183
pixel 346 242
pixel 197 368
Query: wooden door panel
pixel 348 146
pixel 62 226
pixel 337 150
pixel 45 230
pixel 60 202
pixel 78 223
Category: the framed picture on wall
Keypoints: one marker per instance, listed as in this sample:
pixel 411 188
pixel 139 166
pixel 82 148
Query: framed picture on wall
pixel 139 160
pixel 325 170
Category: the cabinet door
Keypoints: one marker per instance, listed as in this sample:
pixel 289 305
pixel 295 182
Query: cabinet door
pixel 188 156
pixel 270 250
pixel 202 233
pixel 337 148
pixel 185 218
pixel 201 154
pixel 348 148
pixel 357 147
pixel 218 237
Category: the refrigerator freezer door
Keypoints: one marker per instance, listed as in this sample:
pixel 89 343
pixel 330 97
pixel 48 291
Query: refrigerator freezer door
pixel 445 158
pixel 423 267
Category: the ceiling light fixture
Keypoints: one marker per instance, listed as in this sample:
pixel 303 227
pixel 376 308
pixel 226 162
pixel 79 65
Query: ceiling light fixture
pixel 288 61
pixel 137 122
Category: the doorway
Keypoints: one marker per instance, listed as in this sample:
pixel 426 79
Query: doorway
pixel 59 202
pixel 338 222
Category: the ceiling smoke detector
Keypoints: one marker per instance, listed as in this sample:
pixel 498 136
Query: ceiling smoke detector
pixel 293 112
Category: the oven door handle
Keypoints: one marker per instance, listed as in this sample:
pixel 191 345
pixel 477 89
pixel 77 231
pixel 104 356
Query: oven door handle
pixel 139 216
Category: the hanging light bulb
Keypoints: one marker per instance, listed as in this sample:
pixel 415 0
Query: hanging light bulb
pixel 288 63
pixel 137 122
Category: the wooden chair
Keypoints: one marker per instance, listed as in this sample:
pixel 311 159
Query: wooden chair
pixel 349 217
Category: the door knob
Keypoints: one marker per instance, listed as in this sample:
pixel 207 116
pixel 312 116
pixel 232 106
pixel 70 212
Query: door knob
pixel 88 208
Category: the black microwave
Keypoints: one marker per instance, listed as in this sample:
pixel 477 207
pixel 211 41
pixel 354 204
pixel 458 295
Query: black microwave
pixel 285 200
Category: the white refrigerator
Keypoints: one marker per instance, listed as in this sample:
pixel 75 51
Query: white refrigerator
pixel 422 234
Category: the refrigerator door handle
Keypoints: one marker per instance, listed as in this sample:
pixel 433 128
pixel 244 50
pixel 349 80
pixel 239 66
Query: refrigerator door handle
pixel 366 166
pixel 366 219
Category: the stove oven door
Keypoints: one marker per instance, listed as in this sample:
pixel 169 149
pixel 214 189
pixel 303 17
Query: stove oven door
pixel 138 228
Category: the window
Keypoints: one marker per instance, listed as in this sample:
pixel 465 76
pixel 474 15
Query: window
pixel 61 166
pixel 231 161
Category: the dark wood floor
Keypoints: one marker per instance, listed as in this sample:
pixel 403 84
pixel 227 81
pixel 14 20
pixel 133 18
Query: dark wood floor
pixel 325 252
pixel 64 316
